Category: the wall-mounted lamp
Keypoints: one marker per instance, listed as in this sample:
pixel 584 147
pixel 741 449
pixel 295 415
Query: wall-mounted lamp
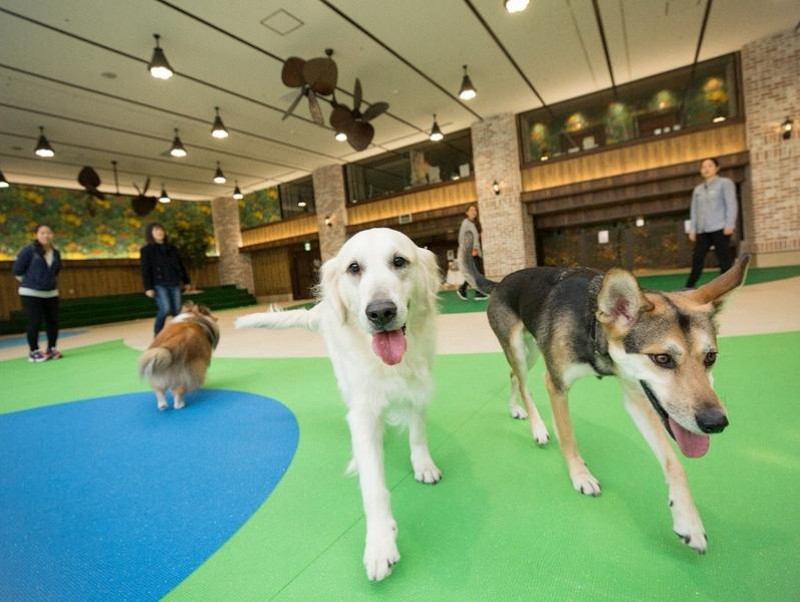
pixel 786 128
pixel 496 187
pixel 159 66
pixel 639 222
pixel 328 221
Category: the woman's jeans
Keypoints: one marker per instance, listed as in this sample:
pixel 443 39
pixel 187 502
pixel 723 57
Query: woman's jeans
pixel 168 300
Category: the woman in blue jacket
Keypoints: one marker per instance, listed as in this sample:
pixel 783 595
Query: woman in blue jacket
pixel 37 267
pixel 163 273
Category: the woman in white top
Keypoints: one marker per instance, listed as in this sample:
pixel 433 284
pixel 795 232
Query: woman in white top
pixel 36 268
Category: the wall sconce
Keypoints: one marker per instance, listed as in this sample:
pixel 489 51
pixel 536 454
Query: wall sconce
pixel 639 222
pixel 786 128
pixel 496 187
pixel 328 221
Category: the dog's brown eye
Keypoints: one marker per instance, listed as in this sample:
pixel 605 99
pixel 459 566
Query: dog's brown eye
pixel 662 359
pixel 400 262
pixel 710 358
pixel 354 268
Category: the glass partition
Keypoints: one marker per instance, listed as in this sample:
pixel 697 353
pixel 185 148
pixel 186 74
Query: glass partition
pixel 297 197
pixel 665 103
pixel 412 167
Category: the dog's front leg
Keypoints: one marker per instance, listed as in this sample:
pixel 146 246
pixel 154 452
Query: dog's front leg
pixel 425 469
pixel 380 551
pixel 685 518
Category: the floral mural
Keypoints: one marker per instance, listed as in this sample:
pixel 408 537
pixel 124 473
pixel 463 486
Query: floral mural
pixel 260 207
pixel 89 229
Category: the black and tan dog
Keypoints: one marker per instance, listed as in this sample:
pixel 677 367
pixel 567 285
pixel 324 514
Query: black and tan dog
pixel 661 346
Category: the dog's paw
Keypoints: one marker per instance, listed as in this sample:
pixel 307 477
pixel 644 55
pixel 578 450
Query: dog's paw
pixel 162 405
pixel 179 405
pixel 518 412
pixel 380 553
pixel 689 529
pixel 540 434
pixel 584 482
pixel 427 473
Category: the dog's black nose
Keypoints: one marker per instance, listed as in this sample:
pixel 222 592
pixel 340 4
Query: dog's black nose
pixel 711 421
pixel 380 313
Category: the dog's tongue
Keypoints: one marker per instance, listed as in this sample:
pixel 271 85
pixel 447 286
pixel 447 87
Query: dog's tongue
pixel 691 444
pixel 389 346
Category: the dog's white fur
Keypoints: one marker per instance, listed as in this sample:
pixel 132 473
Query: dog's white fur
pixel 374 391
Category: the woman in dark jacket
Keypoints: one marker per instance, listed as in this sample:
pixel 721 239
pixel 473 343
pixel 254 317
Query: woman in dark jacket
pixel 36 268
pixel 163 273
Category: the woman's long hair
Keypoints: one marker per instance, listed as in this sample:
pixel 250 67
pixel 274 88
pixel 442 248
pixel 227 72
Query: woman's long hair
pixel 37 245
pixel 148 233
pixel 477 221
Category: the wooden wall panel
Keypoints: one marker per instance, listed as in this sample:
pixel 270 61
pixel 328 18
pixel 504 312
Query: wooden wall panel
pixel 96 278
pixel 446 195
pixel 272 272
pixel 290 228
pixel 659 152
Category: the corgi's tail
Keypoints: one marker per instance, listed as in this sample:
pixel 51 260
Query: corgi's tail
pixel 153 361
pixel 279 320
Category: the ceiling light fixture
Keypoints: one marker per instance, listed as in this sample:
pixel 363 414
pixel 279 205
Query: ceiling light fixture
pixel 436 133
pixel 3 182
pixel 219 177
pixel 177 149
pixel 467 91
pixel 43 148
pixel 719 119
pixel 341 137
pixel 218 129
pixel 786 127
pixel 515 6
pixel 237 194
pixel 302 204
pixel 159 66
pixel 164 198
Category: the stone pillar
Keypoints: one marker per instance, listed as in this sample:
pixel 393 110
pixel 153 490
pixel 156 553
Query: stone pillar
pixel 330 200
pixel 234 267
pixel 771 74
pixel 507 236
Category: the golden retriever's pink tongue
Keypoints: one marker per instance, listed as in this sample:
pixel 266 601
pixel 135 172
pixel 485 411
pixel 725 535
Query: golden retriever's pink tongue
pixel 691 444
pixel 389 346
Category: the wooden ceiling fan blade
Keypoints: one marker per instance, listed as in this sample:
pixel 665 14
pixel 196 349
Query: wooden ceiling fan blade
pixel 360 135
pixel 292 72
pixel 321 75
pixel 88 178
pixel 341 119
pixel 373 111
pixel 357 95
pixel 314 108
pixel 294 104
pixel 146 185
pixel 96 194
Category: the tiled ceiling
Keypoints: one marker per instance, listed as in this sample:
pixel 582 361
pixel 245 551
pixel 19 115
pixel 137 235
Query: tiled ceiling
pixel 78 68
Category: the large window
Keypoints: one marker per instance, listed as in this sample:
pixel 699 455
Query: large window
pixel 419 165
pixel 655 106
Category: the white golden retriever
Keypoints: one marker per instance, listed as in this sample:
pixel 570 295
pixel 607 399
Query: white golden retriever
pixel 377 314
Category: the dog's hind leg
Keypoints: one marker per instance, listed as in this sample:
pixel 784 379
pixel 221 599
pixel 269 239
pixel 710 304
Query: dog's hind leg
pixel 160 399
pixel 582 479
pixel 179 402
pixel 380 550
pixel 425 469
pixel 685 518
pixel 521 355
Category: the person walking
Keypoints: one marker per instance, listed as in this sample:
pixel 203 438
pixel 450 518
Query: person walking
pixel 37 267
pixel 469 250
pixel 713 219
pixel 163 273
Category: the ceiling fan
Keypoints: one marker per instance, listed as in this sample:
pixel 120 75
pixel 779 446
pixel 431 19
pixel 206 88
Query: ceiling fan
pixel 143 204
pixel 353 122
pixel 316 77
pixel 88 178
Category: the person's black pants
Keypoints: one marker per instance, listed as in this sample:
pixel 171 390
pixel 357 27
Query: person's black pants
pixel 479 265
pixel 37 309
pixel 722 245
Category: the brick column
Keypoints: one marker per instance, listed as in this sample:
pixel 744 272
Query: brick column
pixel 329 197
pixel 234 267
pixel 507 229
pixel 771 74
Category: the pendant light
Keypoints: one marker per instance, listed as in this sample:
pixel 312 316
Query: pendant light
pixel 219 177
pixel 159 66
pixel 515 6
pixel 341 137
pixel 3 182
pixel 177 149
pixel 237 194
pixel 164 198
pixel 43 148
pixel 436 133
pixel 467 91
pixel 218 129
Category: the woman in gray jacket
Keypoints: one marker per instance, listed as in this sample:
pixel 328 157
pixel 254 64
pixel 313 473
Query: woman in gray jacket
pixel 469 250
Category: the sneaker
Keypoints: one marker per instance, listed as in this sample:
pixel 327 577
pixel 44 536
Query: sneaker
pixel 37 357
pixel 461 295
pixel 54 354
pixel 479 296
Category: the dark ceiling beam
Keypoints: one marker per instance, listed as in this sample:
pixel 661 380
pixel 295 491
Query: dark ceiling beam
pixel 166 141
pixel 399 57
pixel 700 37
pixel 599 19
pixel 163 110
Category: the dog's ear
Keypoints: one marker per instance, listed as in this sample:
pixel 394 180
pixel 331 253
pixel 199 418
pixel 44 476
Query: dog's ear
pixel 328 288
pixel 189 306
pixel 431 276
pixel 619 302
pixel 719 290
